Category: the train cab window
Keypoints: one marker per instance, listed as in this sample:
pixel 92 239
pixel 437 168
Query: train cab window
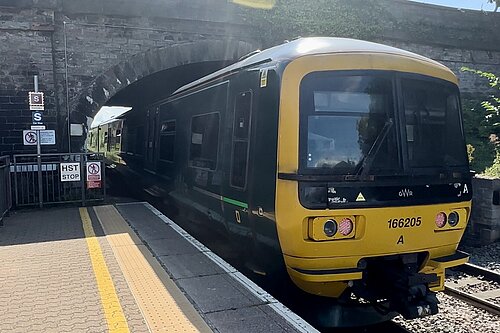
pixel 241 132
pixel 204 141
pixel 433 126
pixel 167 141
pixel 347 120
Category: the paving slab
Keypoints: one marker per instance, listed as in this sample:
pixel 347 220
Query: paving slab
pixel 87 269
pixel 46 281
pixel 227 300
pixel 190 265
pixel 254 319
pixel 141 218
pixel 217 292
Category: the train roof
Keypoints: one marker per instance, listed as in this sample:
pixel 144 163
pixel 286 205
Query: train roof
pixel 307 46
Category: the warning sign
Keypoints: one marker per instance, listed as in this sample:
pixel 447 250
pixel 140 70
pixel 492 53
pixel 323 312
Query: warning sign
pixel 360 197
pixel 29 138
pixel 47 137
pixel 93 174
pixel 70 172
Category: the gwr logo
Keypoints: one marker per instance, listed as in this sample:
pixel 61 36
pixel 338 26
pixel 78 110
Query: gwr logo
pixel 405 193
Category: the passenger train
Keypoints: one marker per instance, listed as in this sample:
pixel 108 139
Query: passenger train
pixel 338 161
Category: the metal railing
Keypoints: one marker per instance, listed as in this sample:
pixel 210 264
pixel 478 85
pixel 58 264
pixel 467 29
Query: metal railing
pixel 38 179
pixel 5 188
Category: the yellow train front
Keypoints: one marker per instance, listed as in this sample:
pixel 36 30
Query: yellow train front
pixel 373 191
pixel 339 162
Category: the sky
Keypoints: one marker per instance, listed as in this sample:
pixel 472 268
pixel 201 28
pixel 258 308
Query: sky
pixel 465 4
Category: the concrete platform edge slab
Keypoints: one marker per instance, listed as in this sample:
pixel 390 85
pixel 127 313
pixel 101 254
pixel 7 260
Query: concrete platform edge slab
pixel 281 310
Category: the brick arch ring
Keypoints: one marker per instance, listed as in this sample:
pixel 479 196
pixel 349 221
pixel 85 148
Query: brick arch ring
pixel 91 99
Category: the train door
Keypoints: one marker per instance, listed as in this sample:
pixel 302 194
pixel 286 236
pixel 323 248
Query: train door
pixel 151 138
pixel 235 191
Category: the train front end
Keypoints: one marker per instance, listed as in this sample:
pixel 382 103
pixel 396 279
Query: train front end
pixel 374 191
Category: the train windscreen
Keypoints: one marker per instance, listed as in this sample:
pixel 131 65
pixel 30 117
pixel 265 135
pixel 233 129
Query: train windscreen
pixel 355 124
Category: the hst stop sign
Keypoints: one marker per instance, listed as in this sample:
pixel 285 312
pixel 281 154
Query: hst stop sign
pixel 70 172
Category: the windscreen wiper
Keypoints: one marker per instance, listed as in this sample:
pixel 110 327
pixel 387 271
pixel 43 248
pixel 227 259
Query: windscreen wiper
pixel 367 161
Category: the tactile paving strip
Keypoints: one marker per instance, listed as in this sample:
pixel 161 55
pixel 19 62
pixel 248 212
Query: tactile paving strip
pixel 109 299
pixel 163 305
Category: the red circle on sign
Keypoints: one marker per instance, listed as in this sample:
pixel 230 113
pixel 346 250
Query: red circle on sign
pixel 93 168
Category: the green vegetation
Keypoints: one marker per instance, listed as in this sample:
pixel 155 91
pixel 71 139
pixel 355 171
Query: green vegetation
pixel 482 128
pixel 341 18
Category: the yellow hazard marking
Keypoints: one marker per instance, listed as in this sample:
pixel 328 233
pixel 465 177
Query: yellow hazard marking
pixel 109 299
pixel 162 304
pixel 360 197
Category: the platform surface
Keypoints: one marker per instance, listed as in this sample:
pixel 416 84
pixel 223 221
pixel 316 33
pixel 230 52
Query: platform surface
pixel 123 268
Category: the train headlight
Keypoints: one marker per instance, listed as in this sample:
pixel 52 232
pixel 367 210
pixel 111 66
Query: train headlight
pixel 453 219
pixel 346 226
pixel 440 220
pixel 330 228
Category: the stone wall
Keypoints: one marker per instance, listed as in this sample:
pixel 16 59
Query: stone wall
pixel 76 47
pixel 27 48
pixel 484 225
pixel 71 43
pixel 452 36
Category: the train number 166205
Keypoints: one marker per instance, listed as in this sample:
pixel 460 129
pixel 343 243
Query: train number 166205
pixel 403 222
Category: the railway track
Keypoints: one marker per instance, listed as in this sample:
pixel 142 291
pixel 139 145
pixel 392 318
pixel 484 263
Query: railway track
pixel 386 327
pixel 475 288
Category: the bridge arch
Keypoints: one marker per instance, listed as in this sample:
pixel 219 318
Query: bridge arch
pixel 91 98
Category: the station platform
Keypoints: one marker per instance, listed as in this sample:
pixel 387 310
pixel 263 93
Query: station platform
pixel 123 268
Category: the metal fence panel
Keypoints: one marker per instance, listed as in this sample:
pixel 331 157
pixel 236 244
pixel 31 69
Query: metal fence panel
pixel 37 179
pixel 5 188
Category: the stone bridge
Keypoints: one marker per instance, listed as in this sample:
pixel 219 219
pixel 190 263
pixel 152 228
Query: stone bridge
pixel 86 51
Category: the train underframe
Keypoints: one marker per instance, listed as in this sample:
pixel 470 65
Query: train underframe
pixel 403 284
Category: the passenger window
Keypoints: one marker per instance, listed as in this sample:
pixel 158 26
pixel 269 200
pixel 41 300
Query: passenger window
pixel 204 141
pixel 167 141
pixel 241 132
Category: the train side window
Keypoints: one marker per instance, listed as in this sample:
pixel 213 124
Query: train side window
pixel 241 132
pixel 167 141
pixel 204 141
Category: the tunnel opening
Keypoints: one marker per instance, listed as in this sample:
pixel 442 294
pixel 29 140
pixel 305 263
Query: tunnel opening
pixel 146 78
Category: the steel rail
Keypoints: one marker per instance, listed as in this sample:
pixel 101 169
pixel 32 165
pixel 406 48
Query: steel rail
pixel 473 300
pixel 476 270
pixel 481 303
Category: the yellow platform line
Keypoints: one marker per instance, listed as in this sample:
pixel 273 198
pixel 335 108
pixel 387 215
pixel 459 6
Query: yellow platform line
pixel 109 299
pixel 163 305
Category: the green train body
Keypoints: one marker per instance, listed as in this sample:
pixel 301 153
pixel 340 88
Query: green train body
pixel 334 160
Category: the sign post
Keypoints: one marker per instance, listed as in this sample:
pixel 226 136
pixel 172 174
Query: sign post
pixel 37 103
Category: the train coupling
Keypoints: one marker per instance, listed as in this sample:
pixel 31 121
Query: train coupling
pixel 396 280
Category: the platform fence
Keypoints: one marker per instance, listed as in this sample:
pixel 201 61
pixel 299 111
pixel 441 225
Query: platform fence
pixel 5 187
pixel 49 179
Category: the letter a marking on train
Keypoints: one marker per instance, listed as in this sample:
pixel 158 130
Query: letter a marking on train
pixel 360 197
pixel 466 189
pixel 401 240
